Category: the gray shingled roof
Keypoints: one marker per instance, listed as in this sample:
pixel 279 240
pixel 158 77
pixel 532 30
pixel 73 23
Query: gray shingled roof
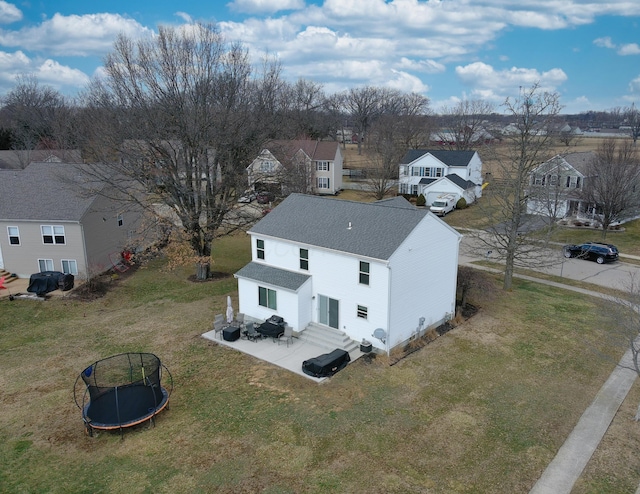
pixel 449 158
pixel 274 276
pixel 40 192
pixel 373 230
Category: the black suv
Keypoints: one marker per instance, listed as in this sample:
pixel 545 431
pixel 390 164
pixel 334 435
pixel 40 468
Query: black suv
pixel 594 251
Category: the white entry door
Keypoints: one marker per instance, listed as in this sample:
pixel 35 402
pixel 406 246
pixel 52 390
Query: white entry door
pixel 329 311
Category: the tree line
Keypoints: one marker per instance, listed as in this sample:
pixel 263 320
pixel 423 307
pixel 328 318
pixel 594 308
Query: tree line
pixel 177 118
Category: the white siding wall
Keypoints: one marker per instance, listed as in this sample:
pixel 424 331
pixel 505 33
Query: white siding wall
pixel 334 275
pixel 290 305
pixel 423 279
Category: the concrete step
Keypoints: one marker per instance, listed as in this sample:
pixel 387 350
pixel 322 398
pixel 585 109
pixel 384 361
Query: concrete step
pixel 330 339
pixel 8 277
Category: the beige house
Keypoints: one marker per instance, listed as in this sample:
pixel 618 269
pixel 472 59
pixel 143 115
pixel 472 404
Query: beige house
pixel 303 166
pixel 50 221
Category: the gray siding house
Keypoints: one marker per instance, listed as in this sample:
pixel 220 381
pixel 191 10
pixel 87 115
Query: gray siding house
pixel 49 221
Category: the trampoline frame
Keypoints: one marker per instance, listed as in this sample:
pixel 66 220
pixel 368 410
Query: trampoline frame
pixel 92 425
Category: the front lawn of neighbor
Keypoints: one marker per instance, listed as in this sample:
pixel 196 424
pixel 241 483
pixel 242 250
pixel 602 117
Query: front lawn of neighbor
pixel 483 408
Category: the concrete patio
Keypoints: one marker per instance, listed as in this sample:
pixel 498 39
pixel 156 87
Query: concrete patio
pixel 277 352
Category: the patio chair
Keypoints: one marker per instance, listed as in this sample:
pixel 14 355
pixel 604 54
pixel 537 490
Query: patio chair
pixel 239 320
pixel 287 336
pixel 252 333
pixel 218 325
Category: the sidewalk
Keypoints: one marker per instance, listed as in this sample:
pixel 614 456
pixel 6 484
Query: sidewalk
pixel 573 456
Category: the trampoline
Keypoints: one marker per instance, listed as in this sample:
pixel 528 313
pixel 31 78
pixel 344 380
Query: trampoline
pixel 122 391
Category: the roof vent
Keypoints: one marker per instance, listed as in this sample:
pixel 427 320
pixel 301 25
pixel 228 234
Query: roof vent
pixel 349 227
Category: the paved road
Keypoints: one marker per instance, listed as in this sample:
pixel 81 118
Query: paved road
pixel 615 275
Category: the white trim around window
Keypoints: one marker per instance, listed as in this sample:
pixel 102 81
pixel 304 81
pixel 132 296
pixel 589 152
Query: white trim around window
pixel 53 234
pixel 14 235
pixel 323 182
pixel 45 265
pixel 69 266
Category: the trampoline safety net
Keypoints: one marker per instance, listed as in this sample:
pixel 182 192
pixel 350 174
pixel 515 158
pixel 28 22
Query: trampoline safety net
pixel 123 390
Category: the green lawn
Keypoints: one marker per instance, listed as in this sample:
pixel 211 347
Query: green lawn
pixel 482 409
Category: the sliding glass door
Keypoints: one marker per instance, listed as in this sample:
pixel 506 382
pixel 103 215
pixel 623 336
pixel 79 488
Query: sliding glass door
pixel 328 311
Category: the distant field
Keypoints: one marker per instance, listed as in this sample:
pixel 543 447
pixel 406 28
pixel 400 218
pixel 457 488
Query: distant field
pixel 590 143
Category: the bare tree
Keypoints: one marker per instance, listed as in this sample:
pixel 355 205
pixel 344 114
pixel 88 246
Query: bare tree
pixel 473 282
pixel 39 117
pixel 180 116
pixel 631 117
pixel 363 105
pixel 521 151
pixel 612 183
pixel 463 127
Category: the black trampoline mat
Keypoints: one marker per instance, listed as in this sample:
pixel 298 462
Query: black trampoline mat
pixel 126 405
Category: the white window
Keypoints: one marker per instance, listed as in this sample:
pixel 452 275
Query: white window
pixel 573 182
pixel 267 166
pixel 322 166
pixel 53 234
pixel 364 273
pixel 323 182
pixel 69 266
pixel 267 298
pixel 45 265
pixel 362 312
pixel 120 220
pixel 14 235
pixel 424 171
pixel 260 249
pixel 304 259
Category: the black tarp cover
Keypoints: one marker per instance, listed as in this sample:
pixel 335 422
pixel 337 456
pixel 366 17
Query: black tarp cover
pixel 47 281
pixel 327 364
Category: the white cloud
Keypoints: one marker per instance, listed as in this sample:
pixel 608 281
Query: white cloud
pixel 264 6
pixel 91 34
pixel 491 84
pixel 634 86
pixel 425 66
pixel 53 74
pixel 185 17
pixel 604 42
pixel 9 13
pixel 623 49
pixel 629 49
pixel 48 72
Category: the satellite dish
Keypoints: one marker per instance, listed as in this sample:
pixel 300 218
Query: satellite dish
pixel 381 334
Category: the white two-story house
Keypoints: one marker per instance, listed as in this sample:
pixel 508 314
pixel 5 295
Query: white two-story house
pixel 556 186
pixel 436 172
pixel 352 266
pixel 303 165
pixel 51 221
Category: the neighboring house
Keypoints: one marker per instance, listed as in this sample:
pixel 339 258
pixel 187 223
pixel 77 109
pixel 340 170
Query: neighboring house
pixel 556 187
pixel 49 221
pixel 435 172
pixel 298 166
pixel 352 266
pixel 19 159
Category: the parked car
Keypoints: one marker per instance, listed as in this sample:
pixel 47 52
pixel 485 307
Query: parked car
pixel 593 251
pixel 265 197
pixel 247 196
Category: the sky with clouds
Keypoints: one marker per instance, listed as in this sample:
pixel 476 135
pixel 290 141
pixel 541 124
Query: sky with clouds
pixel 586 50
